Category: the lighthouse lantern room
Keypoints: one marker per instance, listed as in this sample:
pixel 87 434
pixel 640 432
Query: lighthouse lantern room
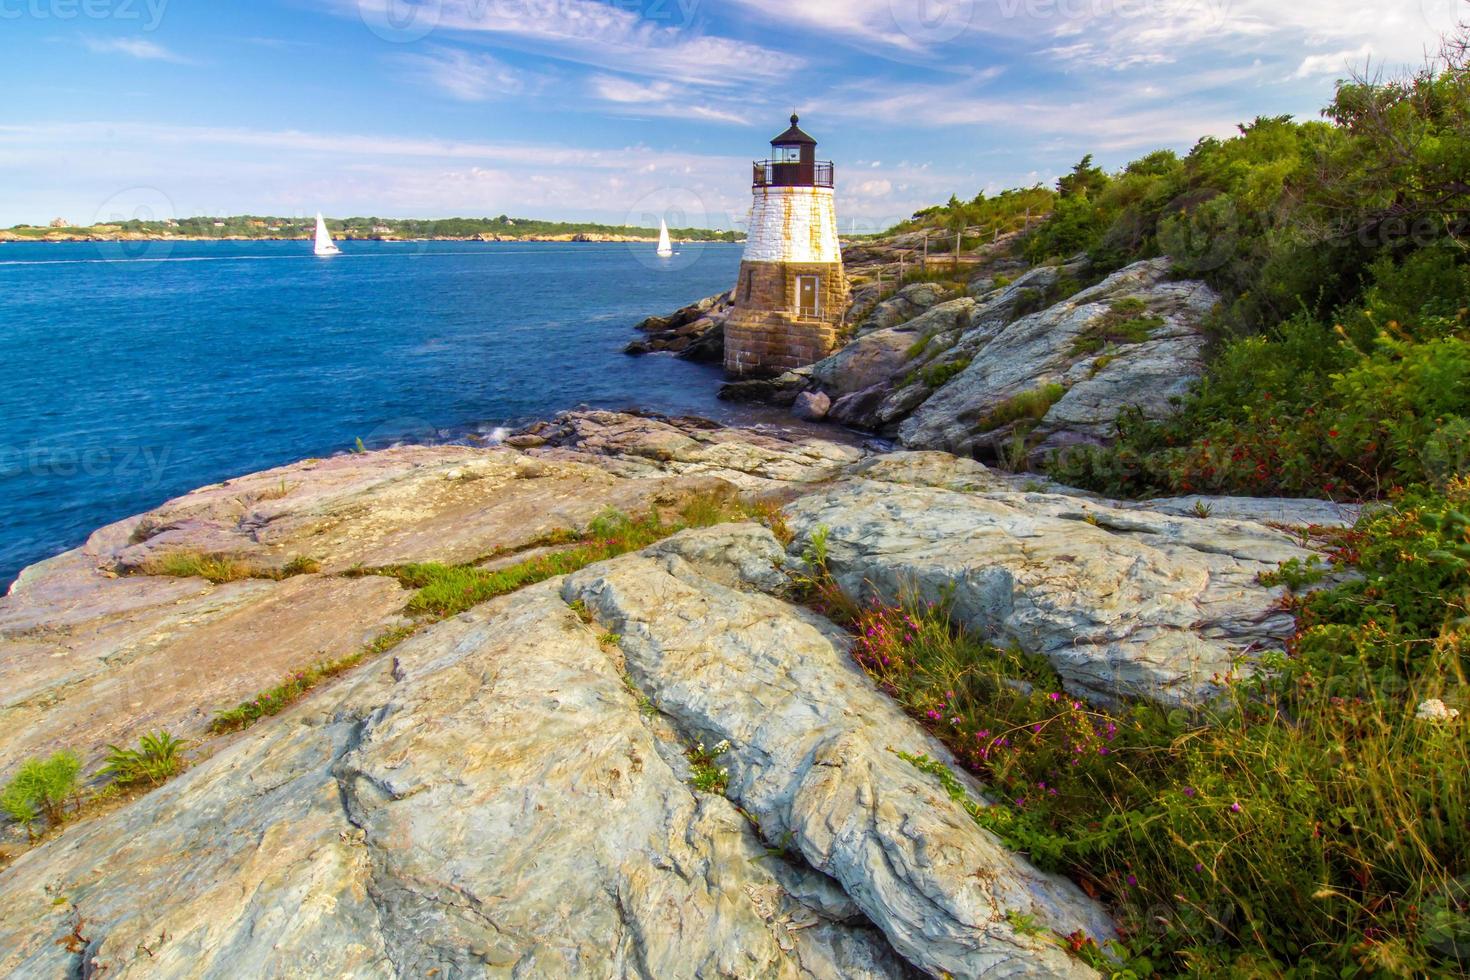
pixel 792 293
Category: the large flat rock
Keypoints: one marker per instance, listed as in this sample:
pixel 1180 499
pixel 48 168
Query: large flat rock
pixel 492 800
pixel 1125 602
pixel 92 651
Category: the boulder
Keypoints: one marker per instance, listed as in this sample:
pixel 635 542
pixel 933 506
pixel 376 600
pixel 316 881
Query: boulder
pixel 1124 602
pixel 695 332
pixel 904 305
pixel 780 390
pixel 1051 347
pixel 811 405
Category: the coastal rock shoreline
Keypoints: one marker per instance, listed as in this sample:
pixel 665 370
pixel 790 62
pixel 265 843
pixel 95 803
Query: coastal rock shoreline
pixel 511 786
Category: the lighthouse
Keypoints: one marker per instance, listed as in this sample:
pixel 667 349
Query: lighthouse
pixel 792 293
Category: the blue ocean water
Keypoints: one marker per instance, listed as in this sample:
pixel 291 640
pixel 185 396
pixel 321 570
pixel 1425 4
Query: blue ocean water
pixel 131 374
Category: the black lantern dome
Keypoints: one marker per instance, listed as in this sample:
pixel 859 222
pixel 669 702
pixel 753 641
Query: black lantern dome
pixel 793 161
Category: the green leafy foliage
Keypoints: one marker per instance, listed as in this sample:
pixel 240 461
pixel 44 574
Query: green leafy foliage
pixel 156 759
pixel 42 787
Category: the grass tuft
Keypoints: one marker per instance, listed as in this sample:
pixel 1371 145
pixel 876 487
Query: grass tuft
pixel 1028 405
pixel 274 700
pixel 220 569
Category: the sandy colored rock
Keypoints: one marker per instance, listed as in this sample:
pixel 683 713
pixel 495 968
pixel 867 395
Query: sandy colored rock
pixel 88 656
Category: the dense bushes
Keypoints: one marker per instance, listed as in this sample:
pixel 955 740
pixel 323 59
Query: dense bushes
pixel 1342 249
pixel 1378 400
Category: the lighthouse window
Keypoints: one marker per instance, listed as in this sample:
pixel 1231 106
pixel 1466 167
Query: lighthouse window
pixel 807 291
pixel 788 154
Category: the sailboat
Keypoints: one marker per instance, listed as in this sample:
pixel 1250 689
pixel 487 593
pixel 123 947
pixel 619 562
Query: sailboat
pixel 324 243
pixel 665 244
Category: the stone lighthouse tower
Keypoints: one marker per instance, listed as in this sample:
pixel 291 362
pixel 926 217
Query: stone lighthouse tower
pixel 792 293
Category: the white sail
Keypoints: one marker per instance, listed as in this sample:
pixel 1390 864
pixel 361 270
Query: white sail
pixel 665 244
pixel 324 243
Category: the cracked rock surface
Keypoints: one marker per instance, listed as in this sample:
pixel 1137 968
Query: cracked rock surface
pixel 493 802
pixel 498 799
pixel 1125 602
pixel 510 792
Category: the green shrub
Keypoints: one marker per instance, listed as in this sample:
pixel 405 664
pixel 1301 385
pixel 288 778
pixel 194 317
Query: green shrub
pixel 939 375
pixel 156 759
pixel 42 787
pixel 1107 332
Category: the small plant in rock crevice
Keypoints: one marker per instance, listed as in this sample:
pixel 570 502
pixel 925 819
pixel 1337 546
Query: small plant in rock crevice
pixel 707 775
pixel 156 759
pixel 274 700
pixel 222 569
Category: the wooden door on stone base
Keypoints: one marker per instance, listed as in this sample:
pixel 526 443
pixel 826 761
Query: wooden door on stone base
pixel 808 289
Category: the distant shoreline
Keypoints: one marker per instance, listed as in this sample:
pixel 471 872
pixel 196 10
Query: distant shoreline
pixel 8 238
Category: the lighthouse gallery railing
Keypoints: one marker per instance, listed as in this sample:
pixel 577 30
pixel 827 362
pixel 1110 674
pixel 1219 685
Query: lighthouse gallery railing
pixel 769 173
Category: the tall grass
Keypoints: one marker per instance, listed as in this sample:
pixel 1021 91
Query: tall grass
pixel 1031 405
pixel 1306 824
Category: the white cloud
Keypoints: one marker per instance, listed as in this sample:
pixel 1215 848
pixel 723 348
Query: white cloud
pixel 1340 63
pixel 134 48
pixel 660 98
pixel 465 75
pixel 601 35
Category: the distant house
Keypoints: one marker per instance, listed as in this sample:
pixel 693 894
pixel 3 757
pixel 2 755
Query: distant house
pixel 60 223
pixel 382 230
pixel 219 224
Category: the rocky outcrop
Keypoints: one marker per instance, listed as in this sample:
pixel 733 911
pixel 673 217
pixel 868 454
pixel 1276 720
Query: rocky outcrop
pixel 695 332
pixel 1125 602
pixel 813 759
pixel 904 305
pixel 511 790
pixel 761 459
pixel 1134 340
pixel 491 800
pixel 92 651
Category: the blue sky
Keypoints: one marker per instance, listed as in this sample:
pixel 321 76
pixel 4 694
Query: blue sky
pixel 618 110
